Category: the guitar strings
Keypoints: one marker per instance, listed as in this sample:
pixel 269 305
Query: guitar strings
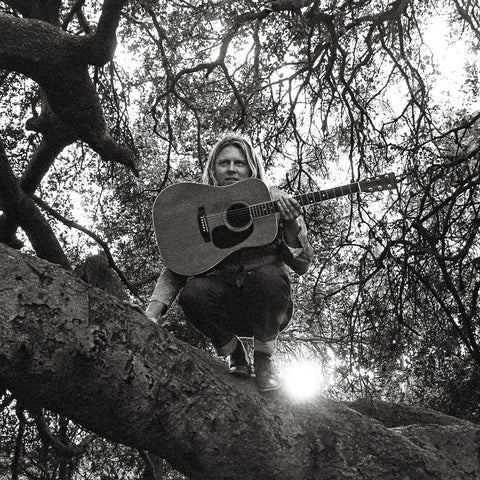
pixel 262 207
pixel 302 198
pixel 241 212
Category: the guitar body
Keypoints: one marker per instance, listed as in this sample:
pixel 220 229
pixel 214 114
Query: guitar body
pixel 197 226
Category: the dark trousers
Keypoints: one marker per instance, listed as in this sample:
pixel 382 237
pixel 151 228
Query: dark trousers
pixel 261 307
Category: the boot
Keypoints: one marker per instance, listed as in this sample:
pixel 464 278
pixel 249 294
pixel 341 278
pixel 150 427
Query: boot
pixel 265 376
pixel 238 362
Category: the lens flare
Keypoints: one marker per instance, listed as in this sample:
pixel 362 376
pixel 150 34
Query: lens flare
pixel 303 379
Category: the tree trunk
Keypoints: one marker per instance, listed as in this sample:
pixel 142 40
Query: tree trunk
pixel 71 348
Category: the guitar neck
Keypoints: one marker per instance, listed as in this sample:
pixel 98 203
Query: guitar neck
pixel 328 194
pixel 375 184
pixel 269 208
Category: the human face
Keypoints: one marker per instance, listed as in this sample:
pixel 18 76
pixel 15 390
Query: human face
pixel 231 166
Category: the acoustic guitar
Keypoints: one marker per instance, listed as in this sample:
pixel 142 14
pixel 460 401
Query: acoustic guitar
pixel 197 226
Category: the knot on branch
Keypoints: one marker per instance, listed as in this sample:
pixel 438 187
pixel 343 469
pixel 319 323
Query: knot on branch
pixel 97 271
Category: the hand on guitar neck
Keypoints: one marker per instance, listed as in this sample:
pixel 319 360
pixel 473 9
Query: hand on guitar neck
pixel 289 210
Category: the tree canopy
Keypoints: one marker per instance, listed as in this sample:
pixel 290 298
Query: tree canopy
pixel 105 103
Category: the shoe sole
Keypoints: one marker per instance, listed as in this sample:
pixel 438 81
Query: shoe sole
pixel 240 373
pixel 266 390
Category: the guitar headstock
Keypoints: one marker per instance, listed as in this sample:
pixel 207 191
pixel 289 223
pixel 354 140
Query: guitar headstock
pixel 378 183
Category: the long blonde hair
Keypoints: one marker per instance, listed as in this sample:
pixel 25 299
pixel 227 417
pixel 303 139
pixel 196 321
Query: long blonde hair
pixel 254 161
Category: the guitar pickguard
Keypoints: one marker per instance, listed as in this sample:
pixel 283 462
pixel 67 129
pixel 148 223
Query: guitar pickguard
pixel 223 237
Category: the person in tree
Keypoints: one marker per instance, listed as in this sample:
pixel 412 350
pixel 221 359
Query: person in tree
pixel 248 293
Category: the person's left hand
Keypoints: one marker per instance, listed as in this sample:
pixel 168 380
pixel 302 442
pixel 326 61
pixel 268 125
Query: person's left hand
pixel 289 208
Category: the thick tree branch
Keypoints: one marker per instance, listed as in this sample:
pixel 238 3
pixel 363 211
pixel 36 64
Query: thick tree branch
pixel 20 209
pixel 39 9
pixel 55 137
pixel 74 350
pixel 59 63
pixel 103 41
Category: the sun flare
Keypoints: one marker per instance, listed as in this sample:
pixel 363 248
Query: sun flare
pixel 303 379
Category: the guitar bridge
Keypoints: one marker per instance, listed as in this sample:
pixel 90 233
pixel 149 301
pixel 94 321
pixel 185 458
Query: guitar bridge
pixel 203 224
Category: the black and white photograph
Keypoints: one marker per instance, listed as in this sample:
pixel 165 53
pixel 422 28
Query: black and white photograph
pixel 239 240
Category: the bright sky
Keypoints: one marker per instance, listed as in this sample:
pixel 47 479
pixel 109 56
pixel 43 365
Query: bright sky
pixel 451 55
pixel 304 380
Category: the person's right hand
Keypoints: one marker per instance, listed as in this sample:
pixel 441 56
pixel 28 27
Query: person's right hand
pixel 155 310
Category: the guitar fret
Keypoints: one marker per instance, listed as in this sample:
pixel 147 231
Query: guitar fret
pixel 262 209
pixel 310 198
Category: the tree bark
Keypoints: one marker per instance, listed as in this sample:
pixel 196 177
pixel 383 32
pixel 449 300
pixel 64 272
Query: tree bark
pixel 20 209
pixel 59 63
pixel 71 348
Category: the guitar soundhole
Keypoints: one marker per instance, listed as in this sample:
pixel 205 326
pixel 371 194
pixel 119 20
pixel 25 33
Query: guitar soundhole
pixel 223 237
pixel 238 226
pixel 238 216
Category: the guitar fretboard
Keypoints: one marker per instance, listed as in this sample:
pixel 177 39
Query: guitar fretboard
pixel 269 208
